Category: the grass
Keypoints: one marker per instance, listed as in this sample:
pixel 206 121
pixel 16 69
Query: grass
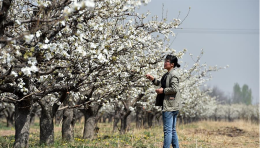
pixel 3 125
pixel 205 134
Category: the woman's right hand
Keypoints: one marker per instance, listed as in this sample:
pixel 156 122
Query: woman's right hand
pixel 148 76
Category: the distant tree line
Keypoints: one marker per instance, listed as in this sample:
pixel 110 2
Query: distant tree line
pixel 240 95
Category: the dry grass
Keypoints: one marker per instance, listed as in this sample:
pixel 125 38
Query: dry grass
pixel 239 134
pixel 205 134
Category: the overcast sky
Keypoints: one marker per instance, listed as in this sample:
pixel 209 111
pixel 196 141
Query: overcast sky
pixel 227 30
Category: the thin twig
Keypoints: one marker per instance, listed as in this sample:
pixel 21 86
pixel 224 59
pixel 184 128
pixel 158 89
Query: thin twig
pixel 185 17
pixel 173 40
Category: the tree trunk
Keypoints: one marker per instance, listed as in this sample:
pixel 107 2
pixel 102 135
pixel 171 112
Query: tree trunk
pixel 46 127
pixel 8 122
pixel 145 119
pixel 91 120
pixel 58 117
pixel 139 118
pixel 215 114
pixel 124 121
pixel 22 124
pixel 110 117
pixel 104 118
pixel 158 117
pixel 150 119
pixel 10 119
pixel 33 113
pixel 181 120
pixel 68 125
pixel 123 125
pixel 46 120
pixel 89 125
pixel 116 120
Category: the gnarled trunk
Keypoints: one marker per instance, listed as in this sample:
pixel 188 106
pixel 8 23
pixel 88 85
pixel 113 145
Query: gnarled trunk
pixel 89 126
pixel 58 117
pixel 91 119
pixel 116 121
pixel 68 125
pixel 150 119
pixel 46 126
pixel 22 124
pixel 139 117
pixel 35 108
pixel 124 121
pixel 123 125
pixel 116 118
pixel 110 117
pixel 158 117
pixel 104 118
pixel 46 119
pixel 10 119
pixel 145 119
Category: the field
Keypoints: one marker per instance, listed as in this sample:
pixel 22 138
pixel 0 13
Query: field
pixel 205 134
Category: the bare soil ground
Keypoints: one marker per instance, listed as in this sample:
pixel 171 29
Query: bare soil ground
pixel 238 134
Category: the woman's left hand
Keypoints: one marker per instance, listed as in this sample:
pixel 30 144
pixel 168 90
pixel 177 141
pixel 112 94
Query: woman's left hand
pixel 159 91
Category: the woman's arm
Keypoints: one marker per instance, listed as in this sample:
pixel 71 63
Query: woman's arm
pixel 155 81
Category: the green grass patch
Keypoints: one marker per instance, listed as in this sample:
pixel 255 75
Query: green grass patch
pixel 4 127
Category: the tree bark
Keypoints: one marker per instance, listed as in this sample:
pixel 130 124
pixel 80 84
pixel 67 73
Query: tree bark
pixel 123 125
pixel 10 119
pixel 46 120
pixel 116 121
pixel 104 118
pixel 33 113
pixel 110 117
pixel 68 125
pixel 158 117
pixel 58 117
pixel 139 119
pixel 89 125
pixel 90 112
pixel 22 124
pixel 46 126
pixel 150 119
pixel 124 121
pixel 145 119
pixel 116 118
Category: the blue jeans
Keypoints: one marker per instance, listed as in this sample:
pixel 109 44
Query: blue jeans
pixel 169 128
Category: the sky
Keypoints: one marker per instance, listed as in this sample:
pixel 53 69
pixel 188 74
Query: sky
pixel 227 31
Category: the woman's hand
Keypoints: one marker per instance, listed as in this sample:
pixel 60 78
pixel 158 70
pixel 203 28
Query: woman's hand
pixel 148 76
pixel 159 91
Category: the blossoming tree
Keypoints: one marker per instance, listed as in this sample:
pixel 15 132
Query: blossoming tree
pixel 95 51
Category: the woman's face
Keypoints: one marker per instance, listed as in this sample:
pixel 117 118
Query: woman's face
pixel 168 65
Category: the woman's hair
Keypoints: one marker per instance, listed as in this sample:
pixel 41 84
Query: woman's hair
pixel 173 59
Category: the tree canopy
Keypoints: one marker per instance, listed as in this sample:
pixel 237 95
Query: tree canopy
pixel 242 94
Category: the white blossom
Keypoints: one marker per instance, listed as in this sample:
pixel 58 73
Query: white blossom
pixel 46 40
pixel 18 22
pixel 26 71
pixel 38 33
pixel 28 38
pixel 93 45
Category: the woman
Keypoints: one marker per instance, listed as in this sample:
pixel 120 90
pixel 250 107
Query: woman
pixel 171 100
